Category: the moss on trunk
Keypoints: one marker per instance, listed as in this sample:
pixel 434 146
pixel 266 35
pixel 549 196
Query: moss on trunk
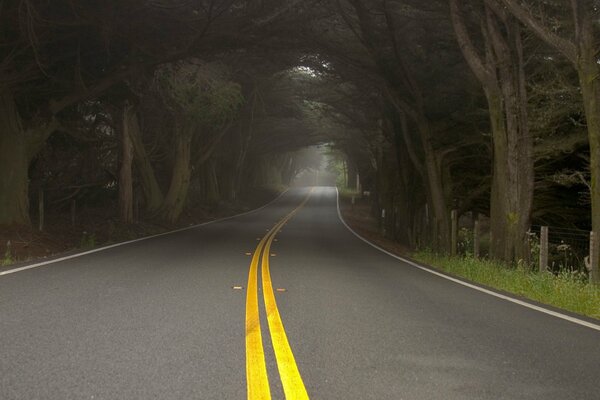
pixel 176 197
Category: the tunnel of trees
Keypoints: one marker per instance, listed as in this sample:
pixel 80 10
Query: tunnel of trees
pixel 154 107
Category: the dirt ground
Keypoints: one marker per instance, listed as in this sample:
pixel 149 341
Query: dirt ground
pixel 100 226
pixel 359 217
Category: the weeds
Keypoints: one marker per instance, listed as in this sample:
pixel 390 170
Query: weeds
pixel 568 290
pixel 8 257
pixel 88 241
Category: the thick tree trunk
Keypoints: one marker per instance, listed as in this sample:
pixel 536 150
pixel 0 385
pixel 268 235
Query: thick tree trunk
pixel 512 181
pixel 498 197
pixel 153 195
pixel 208 183
pixel 430 172
pixel 409 168
pixel 583 53
pixel 240 161
pixel 176 197
pixel 14 162
pixel 125 174
pixel 352 172
pixel 502 76
pixel 435 189
pixel 589 80
pixel 512 187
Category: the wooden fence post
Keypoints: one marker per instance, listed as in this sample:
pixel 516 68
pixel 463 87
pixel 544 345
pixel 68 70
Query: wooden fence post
pixel 476 239
pixel 593 258
pixel 454 218
pixel 543 249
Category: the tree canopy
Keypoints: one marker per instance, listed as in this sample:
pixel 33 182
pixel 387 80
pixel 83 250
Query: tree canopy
pixel 485 106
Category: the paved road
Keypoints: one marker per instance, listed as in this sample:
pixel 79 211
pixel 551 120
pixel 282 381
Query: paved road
pixel 159 319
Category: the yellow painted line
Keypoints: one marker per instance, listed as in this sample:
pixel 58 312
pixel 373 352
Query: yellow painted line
pixel 291 380
pixel 256 371
pixel 293 386
pixel 257 380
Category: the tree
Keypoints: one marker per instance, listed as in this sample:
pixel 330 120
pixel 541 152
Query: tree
pixel 582 51
pixel 125 171
pixel 201 101
pixel 502 75
pixel 405 92
pixel 53 56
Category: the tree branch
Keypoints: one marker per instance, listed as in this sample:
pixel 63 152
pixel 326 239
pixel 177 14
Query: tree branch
pixel 105 83
pixel 566 47
pixel 476 63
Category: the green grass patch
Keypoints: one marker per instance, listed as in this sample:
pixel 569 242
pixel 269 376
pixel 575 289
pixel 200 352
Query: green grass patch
pixel 88 241
pixel 8 256
pixel 347 193
pixel 567 290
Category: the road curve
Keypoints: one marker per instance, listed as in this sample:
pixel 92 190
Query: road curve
pixel 165 318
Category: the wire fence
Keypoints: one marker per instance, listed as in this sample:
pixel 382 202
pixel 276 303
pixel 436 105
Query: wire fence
pixel 566 249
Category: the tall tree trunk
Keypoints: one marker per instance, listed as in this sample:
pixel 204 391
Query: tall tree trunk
pixel 125 174
pixel 429 170
pixel 512 187
pixel 176 197
pixel 589 80
pixel 240 161
pixel 502 76
pixel 582 52
pixel 512 181
pixel 435 189
pixel 214 192
pixel 14 163
pixel 153 195
pixel 409 167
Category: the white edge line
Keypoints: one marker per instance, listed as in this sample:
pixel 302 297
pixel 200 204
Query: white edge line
pixel 96 250
pixel 469 285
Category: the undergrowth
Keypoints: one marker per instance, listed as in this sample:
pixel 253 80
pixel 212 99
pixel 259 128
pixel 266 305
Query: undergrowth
pixel 8 256
pixel 567 290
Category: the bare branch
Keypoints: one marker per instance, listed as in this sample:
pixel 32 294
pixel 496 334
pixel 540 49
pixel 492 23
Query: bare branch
pixel 566 47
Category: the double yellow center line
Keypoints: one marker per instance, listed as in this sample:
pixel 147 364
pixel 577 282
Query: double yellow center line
pixel 256 369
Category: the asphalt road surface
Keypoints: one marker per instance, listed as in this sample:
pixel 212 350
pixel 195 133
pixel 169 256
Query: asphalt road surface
pixel 182 316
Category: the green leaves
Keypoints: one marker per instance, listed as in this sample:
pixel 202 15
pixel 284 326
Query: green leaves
pixel 200 93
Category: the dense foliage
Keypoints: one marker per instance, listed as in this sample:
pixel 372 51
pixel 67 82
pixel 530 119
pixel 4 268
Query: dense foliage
pixel 490 107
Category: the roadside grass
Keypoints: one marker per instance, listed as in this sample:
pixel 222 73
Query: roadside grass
pixel 8 259
pixel 567 290
pixel 347 193
pixel 88 241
